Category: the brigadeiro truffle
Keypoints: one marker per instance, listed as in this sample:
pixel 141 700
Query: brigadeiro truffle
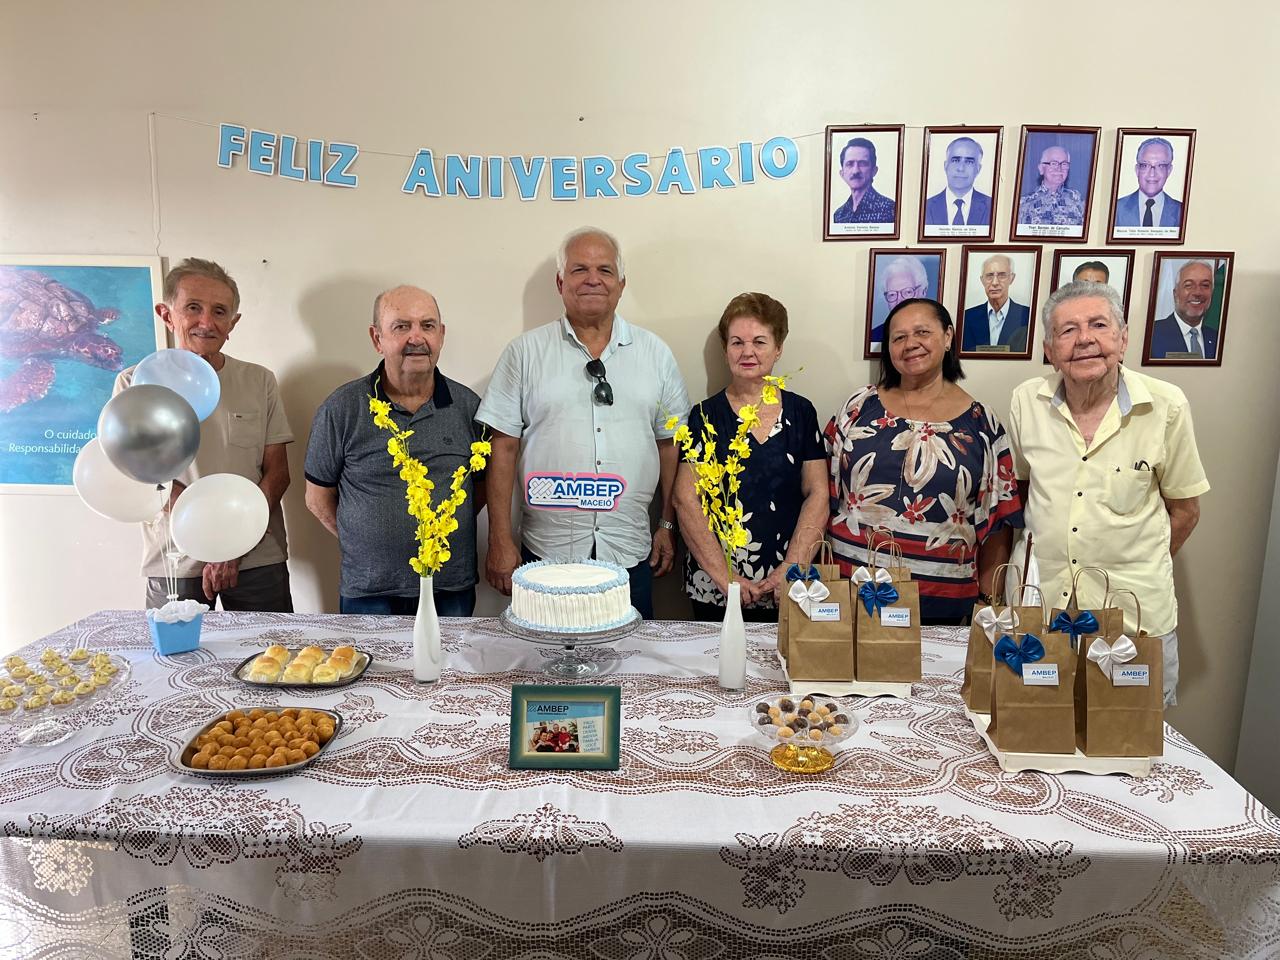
pixel 764 720
pixel 786 704
pixel 762 707
pixel 838 718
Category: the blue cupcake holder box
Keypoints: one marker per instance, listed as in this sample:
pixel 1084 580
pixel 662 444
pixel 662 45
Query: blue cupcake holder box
pixel 171 638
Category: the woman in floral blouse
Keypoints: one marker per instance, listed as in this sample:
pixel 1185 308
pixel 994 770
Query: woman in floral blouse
pixel 916 454
pixel 784 487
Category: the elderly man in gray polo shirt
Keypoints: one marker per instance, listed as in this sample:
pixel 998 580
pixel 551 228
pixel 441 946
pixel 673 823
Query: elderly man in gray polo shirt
pixel 351 485
pixel 578 409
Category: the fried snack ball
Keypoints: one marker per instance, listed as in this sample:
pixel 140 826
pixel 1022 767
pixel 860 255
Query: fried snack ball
pixel 257 762
pixel 309 748
pixel 218 762
pixel 238 763
pixel 276 760
pixel 199 762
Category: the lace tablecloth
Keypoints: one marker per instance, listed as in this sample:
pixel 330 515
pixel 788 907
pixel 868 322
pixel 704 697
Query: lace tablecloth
pixel 411 838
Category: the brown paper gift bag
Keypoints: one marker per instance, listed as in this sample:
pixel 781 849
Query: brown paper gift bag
pixel 818 649
pixel 1001 619
pixel 1109 620
pixel 886 653
pixel 828 570
pixel 1120 719
pixel 1034 719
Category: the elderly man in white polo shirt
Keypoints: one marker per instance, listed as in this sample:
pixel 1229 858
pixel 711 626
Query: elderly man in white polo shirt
pixel 577 410
pixel 1108 462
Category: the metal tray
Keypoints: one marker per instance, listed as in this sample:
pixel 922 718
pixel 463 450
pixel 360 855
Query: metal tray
pixel 181 755
pixel 242 670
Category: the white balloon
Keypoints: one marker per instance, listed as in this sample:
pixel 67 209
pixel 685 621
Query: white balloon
pixel 219 517
pixel 108 492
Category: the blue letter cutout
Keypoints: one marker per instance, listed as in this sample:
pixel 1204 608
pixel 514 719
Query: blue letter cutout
pixel 262 152
pixel 712 162
pixel 528 176
pixel 564 178
pixel 460 175
pixel 596 174
pixel 230 143
pixel 769 162
pixel 422 174
pixel 676 173
pixel 289 169
pixel 344 154
pixel 639 182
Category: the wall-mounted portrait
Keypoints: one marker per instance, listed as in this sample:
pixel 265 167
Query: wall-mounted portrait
pixel 959 183
pixel 897 274
pixel 1187 318
pixel 861 199
pixel 998 301
pixel 1055 183
pixel 1152 185
pixel 1110 266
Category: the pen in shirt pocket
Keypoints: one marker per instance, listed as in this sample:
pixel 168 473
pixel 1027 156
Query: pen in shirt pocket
pixel 1142 465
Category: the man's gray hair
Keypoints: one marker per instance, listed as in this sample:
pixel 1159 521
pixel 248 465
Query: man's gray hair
pixel 1213 268
pixel 963 140
pixel 1154 142
pixel 911 265
pixel 195 267
pixel 562 255
pixel 1075 290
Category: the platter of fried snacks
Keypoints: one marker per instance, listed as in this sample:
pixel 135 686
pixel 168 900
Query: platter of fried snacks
pixel 278 666
pixel 259 741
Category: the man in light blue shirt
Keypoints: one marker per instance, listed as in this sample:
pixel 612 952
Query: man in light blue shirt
pixel 578 411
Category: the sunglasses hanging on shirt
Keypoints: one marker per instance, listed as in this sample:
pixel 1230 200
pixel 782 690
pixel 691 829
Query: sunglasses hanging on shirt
pixel 601 392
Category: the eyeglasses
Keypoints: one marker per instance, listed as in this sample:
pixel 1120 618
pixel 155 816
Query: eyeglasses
pixel 1157 167
pixel 601 392
pixel 988 277
pixel 1055 164
pixel 894 297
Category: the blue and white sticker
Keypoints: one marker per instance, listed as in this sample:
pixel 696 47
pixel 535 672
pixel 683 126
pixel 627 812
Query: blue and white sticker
pixel 1131 675
pixel 573 491
pixel 1040 674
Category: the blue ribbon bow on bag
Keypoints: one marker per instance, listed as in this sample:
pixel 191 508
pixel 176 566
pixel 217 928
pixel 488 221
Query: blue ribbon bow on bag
pixel 875 593
pixel 1086 622
pixel 795 573
pixel 1016 654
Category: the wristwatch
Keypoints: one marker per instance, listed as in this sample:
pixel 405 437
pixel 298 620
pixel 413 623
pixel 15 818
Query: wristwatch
pixel 666 524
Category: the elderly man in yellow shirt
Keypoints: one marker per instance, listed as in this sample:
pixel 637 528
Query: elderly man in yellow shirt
pixel 1107 461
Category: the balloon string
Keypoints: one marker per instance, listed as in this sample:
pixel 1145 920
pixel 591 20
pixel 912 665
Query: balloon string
pixel 170 569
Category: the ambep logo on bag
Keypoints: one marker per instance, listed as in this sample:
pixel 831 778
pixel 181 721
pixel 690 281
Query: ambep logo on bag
pixel 573 491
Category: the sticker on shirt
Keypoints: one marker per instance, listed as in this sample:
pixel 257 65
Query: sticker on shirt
pixel 573 491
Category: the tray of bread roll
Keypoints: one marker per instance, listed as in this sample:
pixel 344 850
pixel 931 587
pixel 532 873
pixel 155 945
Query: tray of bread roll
pixel 312 666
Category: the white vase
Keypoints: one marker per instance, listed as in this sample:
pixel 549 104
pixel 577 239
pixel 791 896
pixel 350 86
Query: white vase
pixel 426 635
pixel 733 642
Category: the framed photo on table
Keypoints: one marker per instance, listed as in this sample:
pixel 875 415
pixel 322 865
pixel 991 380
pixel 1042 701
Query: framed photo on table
pixel 1151 189
pixel 565 727
pixel 897 274
pixel 997 309
pixel 959 183
pixel 861 197
pixel 1054 188
pixel 1187 317
pixel 70 324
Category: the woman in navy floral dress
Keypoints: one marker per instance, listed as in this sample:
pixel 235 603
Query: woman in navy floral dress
pixel 784 486
pixel 916 454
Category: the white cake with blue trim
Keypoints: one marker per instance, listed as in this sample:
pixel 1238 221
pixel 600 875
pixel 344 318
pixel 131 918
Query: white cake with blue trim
pixel 583 597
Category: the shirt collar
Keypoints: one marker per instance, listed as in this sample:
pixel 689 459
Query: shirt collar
pixel 953 197
pixel 440 395
pixel 1184 327
pixel 1000 314
pixel 621 335
pixel 1128 394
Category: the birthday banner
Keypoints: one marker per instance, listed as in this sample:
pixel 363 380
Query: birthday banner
pixel 332 163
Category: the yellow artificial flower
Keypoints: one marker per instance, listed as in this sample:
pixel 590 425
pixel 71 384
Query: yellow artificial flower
pixel 671 422
pixel 477 462
pixel 749 417
pixel 482 447
pixel 769 395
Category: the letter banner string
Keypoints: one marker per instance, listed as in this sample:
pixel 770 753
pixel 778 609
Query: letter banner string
pixel 794 572
pixel 878 593
pixel 1016 654
pixel 1108 656
pixel 1086 622
pixel 993 623
pixel 808 593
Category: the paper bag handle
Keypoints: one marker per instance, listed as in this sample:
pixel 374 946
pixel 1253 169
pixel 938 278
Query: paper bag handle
pixel 1022 592
pixel 894 551
pixel 1106 602
pixel 1073 605
pixel 998 591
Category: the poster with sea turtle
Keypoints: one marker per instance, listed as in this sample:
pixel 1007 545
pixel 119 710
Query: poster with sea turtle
pixel 68 325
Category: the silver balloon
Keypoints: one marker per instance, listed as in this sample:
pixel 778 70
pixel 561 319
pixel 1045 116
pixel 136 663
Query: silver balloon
pixel 149 433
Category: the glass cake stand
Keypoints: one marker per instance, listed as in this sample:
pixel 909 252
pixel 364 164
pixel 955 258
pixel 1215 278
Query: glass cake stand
pixel 570 664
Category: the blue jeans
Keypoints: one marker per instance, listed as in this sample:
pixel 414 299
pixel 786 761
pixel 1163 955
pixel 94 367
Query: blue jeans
pixel 641 576
pixel 449 603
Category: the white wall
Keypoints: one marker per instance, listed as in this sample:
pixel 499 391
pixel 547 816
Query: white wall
pixel 570 77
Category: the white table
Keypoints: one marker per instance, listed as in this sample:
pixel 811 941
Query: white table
pixel 410 837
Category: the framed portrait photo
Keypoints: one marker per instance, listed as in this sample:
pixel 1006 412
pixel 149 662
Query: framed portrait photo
pixel 565 727
pixel 1152 186
pixel 1106 265
pixel 959 183
pixel 76 322
pixel 997 309
pixel 862 192
pixel 1187 317
pixel 1054 188
pixel 897 274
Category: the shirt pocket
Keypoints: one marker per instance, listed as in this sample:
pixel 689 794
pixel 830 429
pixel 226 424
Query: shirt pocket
pixel 245 430
pixel 1126 489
